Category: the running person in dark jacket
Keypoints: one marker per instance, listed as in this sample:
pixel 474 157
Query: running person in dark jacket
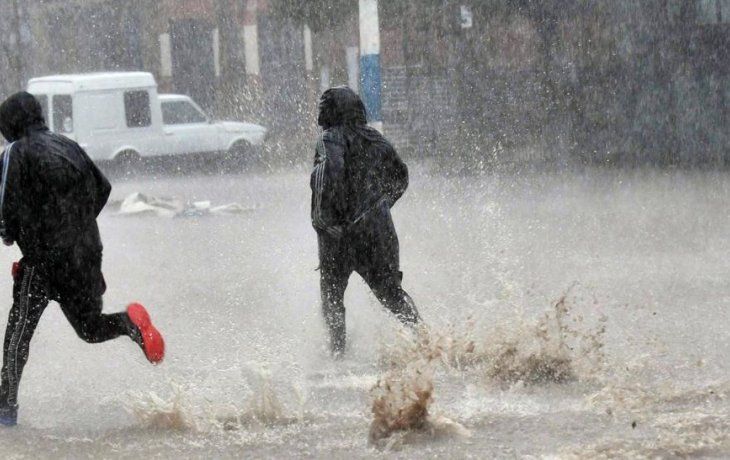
pixel 50 196
pixel 357 178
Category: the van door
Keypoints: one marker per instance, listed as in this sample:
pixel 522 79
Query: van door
pixel 102 121
pixel 141 129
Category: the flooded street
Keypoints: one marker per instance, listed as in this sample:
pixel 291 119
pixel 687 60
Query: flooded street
pixel 641 338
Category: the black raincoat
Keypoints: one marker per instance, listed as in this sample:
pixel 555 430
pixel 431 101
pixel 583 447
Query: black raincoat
pixel 357 178
pixel 52 195
pixel 53 191
pixel 357 172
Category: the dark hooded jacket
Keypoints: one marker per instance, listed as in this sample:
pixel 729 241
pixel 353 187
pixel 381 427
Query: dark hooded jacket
pixel 357 172
pixel 53 191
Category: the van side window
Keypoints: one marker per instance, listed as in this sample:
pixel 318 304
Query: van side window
pixel 137 109
pixel 43 101
pixel 63 115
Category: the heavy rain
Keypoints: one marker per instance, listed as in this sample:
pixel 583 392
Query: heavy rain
pixel 559 286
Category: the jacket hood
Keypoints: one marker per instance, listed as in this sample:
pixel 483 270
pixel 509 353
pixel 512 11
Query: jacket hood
pixel 18 114
pixel 341 106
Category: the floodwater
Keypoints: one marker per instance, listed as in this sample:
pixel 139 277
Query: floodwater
pixel 632 362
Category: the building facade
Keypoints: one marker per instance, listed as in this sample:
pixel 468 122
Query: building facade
pixel 508 80
pixel 231 56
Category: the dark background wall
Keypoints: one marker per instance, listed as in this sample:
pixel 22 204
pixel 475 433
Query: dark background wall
pixel 593 81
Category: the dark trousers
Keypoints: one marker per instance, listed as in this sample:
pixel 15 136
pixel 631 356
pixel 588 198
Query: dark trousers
pixel 34 286
pixel 370 249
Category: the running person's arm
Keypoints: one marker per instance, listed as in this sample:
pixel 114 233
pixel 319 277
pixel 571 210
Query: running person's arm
pixel 327 184
pixel 12 195
pixel 395 174
pixel 103 188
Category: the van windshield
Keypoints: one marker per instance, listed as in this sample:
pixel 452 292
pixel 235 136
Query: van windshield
pixel 181 112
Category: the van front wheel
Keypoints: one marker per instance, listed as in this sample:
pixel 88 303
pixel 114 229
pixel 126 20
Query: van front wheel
pixel 238 158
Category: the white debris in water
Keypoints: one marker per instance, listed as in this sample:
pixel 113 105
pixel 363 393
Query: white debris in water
pixel 141 204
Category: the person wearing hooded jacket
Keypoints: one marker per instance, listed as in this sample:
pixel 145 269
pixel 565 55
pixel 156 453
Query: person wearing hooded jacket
pixel 357 178
pixel 50 196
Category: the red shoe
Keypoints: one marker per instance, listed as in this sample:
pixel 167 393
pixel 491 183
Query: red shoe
pixel 152 342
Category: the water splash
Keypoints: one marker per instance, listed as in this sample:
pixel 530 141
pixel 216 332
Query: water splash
pixel 177 412
pixel 404 394
pixel 401 400
pixel 263 408
pixel 157 413
pixel 401 409
pixel 556 348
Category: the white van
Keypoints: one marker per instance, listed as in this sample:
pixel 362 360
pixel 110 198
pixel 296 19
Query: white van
pixel 120 116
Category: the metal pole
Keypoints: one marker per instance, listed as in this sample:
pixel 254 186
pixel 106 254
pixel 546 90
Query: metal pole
pixel 370 77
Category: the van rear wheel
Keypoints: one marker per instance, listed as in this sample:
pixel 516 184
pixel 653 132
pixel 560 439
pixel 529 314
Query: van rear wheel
pixel 128 162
